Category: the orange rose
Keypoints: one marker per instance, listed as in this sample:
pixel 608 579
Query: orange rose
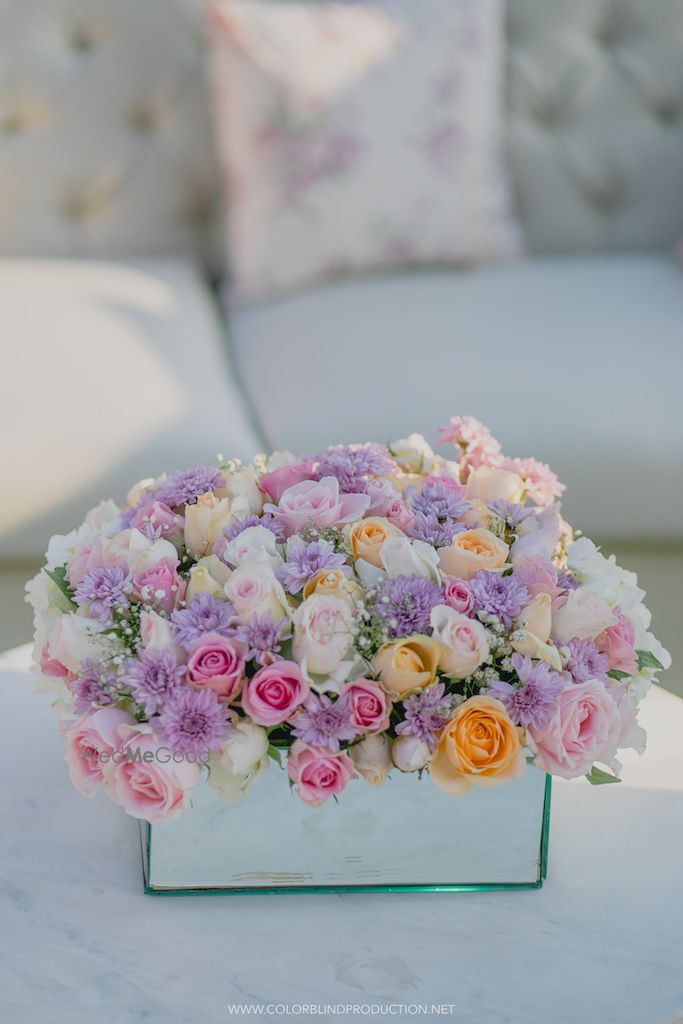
pixel 334 583
pixel 471 551
pixel 408 665
pixel 479 746
pixel 368 535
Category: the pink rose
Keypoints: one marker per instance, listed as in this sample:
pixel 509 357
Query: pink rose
pixel 463 643
pixel 457 595
pixel 317 774
pixel 53 667
pixel 585 728
pixel 157 518
pixel 618 643
pixel 146 779
pixel 217 664
pixel 274 693
pixel 280 480
pixel 317 500
pixel 322 632
pixel 382 494
pixel 583 615
pixel 160 585
pixel 399 514
pixel 369 706
pixel 85 558
pixel 88 738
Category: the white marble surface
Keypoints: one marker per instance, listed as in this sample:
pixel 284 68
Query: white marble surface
pixel 601 943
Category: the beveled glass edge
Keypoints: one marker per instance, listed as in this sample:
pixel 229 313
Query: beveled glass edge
pixel 150 890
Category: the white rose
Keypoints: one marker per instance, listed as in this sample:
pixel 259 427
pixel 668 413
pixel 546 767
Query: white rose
pixel 280 459
pixel 75 638
pixel 104 517
pixel 249 543
pixel 584 615
pixel 464 645
pixel 413 454
pixel 137 490
pixel 208 576
pixel 137 552
pixel 402 557
pixel 372 758
pixel 322 634
pixel 241 483
pixel 243 758
pixel 524 642
pixel 410 754
pixel 490 484
pixel 156 634
pixel 537 617
pixel 206 520
pixel 254 589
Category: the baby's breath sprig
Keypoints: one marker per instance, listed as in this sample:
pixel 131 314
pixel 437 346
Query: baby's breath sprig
pixel 332 534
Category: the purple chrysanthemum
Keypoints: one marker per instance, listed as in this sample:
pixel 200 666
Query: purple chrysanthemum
pixel 262 637
pixel 532 704
pixel 154 677
pixel 193 722
pixel 511 511
pixel 567 581
pixel 406 603
pixel 240 525
pixel 500 596
pixel 306 560
pixel 587 662
pixel 103 590
pixel 206 614
pixel 441 500
pixel 323 722
pixel 432 530
pixel 352 464
pixel 426 714
pixel 187 485
pixel 93 688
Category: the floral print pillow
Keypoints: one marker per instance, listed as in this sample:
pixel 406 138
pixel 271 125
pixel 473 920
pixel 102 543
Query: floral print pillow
pixel 358 136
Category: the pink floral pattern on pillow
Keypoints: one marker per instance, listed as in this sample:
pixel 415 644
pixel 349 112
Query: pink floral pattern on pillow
pixel 358 137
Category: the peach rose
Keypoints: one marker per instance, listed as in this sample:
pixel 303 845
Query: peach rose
pixel 407 665
pixel 479 746
pixel 471 551
pixel 368 536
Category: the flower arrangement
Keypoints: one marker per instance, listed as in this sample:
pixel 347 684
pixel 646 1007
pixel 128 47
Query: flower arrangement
pixel 363 610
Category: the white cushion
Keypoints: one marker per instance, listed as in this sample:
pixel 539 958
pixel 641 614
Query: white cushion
pixel 577 362
pixel 112 372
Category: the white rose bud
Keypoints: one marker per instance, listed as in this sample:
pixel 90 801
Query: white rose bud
pixel 409 753
pixel 372 758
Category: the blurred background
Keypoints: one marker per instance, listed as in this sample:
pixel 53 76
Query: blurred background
pixel 255 224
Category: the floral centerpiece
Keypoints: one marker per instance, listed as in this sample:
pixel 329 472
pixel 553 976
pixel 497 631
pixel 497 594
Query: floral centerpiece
pixel 364 610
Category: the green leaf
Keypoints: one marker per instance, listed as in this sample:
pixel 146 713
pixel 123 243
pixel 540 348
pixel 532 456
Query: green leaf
pixel 615 673
pixel 58 577
pixel 646 659
pixel 274 755
pixel 597 777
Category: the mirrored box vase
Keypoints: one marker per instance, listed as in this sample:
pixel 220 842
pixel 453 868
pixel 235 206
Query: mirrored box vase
pixel 405 836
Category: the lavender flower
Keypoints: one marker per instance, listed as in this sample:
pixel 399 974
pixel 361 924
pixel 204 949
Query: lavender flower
pixel 587 662
pixel 93 688
pixel 499 596
pixel 323 722
pixel 511 511
pixel 531 705
pixel 432 530
pixel 154 677
pixel 567 581
pixel 103 590
pixel 193 721
pixel 206 614
pixel 426 714
pixel 261 636
pixel 438 499
pixel 306 560
pixel 352 464
pixel 405 604
pixel 187 485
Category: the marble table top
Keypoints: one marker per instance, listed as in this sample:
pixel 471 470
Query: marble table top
pixel 601 943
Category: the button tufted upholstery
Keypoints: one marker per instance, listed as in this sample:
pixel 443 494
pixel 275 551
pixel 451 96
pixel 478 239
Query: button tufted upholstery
pixel 105 144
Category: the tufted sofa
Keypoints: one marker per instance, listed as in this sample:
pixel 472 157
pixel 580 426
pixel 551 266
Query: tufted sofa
pixel 118 361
